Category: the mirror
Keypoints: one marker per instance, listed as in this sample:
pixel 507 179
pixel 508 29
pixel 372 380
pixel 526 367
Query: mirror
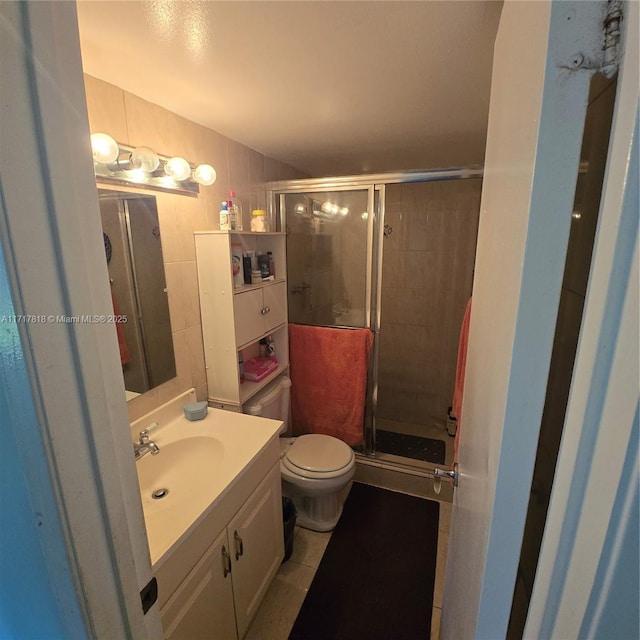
pixel 133 251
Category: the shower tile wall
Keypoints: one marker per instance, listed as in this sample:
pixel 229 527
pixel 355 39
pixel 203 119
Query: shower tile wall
pixel 427 276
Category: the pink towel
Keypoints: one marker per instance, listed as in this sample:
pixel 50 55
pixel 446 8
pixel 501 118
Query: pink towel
pixel 461 366
pixel 329 381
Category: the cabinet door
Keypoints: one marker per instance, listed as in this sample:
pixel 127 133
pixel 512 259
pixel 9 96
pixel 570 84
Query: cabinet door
pixel 249 318
pixel 257 547
pixel 275 299
pixel 202 607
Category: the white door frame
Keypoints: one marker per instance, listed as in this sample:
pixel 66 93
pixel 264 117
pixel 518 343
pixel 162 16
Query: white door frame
pixel 538 103
pixel 603 401
pixel 52 244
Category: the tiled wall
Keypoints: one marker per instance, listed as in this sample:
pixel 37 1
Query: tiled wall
pixel 136 122
pixel 427 277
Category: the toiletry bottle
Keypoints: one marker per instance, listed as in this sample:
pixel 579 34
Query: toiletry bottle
pixel 232 215
pixel 271 347
pixel 224 218
pixel 259 222
pixel 254 260
pixel 235 211
pixel 263 265
pixel 236 265
pixel 246 268
pixel 272 264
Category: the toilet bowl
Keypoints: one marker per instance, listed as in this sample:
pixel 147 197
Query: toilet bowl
pixel 314 468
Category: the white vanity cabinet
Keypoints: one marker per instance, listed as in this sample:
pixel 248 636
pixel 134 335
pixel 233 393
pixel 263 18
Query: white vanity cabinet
pixel 202 607
pixel 256 542
pixel 221 594
pixel 235 319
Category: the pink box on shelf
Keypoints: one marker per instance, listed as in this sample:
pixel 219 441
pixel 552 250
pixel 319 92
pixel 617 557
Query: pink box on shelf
pixel 258 368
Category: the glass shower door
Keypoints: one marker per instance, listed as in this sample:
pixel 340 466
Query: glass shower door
pixel 328 255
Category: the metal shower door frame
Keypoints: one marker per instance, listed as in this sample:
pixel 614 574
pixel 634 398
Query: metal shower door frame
pixel 373 183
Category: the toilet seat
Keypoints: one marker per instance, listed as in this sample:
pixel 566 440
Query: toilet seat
pixel 317 456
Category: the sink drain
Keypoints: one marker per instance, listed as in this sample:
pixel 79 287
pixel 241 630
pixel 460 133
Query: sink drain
pixel 156 494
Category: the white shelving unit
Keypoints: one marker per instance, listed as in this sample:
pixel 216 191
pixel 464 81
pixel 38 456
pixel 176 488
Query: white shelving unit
pixel 234 320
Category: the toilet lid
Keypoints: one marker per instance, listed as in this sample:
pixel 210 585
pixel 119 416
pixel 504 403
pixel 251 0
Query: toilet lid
pixel 318 454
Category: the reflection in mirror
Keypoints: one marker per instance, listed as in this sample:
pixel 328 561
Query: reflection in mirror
pixel 327 256
pixel 133 252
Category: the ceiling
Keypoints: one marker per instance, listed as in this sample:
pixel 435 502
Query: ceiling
pixel 329 87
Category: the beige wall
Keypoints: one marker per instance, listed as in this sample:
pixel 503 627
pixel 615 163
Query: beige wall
pixel 427 275
pixel 136 122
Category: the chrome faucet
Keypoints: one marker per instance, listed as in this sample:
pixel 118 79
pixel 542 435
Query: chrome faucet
pixel 144 444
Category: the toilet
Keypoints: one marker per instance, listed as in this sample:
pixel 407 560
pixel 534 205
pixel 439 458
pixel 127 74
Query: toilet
pixel 314 468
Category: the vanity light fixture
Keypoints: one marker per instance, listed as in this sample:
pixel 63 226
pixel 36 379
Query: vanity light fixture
pixel 141 166
pixel 104 148
pixel 140 159
pixel 204 174
pixel 177 168
pixel 144 159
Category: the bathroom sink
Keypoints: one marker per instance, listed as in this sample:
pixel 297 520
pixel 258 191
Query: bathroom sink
pixel 198 464
pixel 179 465
pixel 175 484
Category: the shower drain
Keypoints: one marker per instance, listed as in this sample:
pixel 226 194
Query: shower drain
pixel 156 494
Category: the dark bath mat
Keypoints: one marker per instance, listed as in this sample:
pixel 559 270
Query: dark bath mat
pixel 415 447
pixel 376 577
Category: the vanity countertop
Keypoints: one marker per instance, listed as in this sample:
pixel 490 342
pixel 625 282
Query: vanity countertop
pixel 199 464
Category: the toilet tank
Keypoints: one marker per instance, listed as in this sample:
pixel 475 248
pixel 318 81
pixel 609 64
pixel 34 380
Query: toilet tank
pixel 272 402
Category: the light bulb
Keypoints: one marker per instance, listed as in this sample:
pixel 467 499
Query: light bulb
pixel 178 168
pixel 137 175
pixel 104 148
pixel 145 159
pixel 204 174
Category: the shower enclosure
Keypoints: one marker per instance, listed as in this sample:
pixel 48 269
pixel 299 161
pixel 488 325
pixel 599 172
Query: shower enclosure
pixel 394 253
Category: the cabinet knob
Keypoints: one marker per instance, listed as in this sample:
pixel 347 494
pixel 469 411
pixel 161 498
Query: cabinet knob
pixel 265 310
pixel 226 562
pixel 239 545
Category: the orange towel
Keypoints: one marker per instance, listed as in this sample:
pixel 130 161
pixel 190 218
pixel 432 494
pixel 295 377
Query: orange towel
pixel 461 366
pixel 329 381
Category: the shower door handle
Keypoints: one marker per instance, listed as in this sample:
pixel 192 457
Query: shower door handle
pixel 448 475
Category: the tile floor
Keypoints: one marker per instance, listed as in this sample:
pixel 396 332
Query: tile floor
pixel 284 598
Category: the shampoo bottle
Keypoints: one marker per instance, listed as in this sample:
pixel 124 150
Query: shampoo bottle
pixel 224 218
pixel 235 211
